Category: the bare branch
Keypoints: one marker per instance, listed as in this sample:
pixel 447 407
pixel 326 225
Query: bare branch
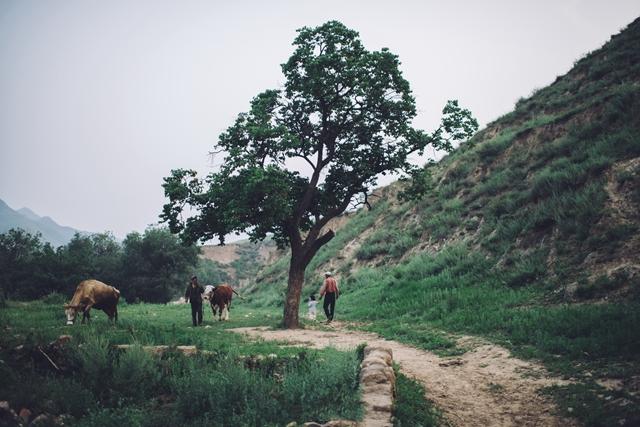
pixel 48 358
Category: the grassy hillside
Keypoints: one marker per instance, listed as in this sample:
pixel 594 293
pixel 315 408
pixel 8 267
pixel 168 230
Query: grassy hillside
pixel 236 262
pixel 528 235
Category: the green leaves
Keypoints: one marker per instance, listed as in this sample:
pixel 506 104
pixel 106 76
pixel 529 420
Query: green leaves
pixel 344 113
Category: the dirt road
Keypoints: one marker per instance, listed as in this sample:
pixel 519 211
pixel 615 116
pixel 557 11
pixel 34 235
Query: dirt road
pixel 486 386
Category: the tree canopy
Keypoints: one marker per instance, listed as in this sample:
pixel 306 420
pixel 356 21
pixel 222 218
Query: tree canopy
pixel 344 113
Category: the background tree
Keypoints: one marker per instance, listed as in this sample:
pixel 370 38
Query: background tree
pixel 95 256
pixel 19 253
pixel 156 266
pixel 345 113
pixel 211 272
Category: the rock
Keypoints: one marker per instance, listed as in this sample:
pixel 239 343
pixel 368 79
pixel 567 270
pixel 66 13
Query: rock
pixel 25 415
pixel 377 381
pixel 46 420
pixel 311 424
pixel 8 416
pixel 384 353
pixel 377 375
pixel 372 376
pixel 340 423
pixel 452 362
pixel 187 350
pixel 292 424
pixel 374 360
pixel 377 389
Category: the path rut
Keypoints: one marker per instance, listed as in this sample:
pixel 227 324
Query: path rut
pixel 485 386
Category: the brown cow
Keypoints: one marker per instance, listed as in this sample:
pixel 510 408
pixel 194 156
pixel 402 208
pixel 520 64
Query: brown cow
pixel 92 294
pixel 220 297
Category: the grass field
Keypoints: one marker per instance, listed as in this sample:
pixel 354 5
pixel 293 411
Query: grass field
pixel 237 383
pixel 430 299
pixel 234 382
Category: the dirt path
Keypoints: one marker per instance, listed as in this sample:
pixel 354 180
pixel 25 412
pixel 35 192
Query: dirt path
pixel 486 386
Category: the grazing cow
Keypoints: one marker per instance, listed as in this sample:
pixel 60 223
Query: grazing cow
pixel 92 294
pixel 220 298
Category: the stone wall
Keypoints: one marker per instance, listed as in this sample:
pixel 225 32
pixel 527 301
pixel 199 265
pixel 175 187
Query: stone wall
pixel 378 384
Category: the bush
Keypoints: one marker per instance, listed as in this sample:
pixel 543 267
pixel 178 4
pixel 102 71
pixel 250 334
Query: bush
pixel 135 375
pixel 488 150
pixel 231 394
pixel 95 360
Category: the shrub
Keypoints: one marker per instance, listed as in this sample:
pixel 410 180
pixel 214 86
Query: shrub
pixel 135 375
pixel 95 360
pixel 488 150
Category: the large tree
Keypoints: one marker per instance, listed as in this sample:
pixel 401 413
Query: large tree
pixel 344 115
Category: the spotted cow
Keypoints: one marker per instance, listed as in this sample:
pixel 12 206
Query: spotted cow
pixel 220 299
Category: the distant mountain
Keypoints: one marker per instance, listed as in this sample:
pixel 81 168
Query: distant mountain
pixel 29 214
pixel 28 220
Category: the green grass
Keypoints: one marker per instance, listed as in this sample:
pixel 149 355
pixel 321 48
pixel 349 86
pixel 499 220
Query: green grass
pixel 411 409
pixel 455 291
pixel 238 382
pixel 527 206
pixel 596 406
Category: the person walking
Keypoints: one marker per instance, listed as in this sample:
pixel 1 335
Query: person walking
pixel 331 292
pixel 194 296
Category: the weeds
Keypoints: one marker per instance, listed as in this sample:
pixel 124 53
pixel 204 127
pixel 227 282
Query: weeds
pixel 411 409
pixel 102 386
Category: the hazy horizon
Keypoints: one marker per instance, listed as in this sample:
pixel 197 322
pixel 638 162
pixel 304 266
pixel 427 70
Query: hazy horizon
pixel 100 100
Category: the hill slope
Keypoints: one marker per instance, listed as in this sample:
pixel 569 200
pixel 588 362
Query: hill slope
pixel 240 260
pixel 550 191
pixel 26 219
pixel 527 235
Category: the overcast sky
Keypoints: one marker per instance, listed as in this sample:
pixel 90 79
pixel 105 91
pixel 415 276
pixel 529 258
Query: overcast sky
pixel 99 100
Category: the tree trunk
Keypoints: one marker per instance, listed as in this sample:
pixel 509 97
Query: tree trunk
pixel 294 289
pixel 301 255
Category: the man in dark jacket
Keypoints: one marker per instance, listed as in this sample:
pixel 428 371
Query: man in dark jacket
pixel 194 296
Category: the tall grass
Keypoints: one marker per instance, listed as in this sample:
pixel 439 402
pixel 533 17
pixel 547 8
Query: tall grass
pixel 457 290
pixel 238 382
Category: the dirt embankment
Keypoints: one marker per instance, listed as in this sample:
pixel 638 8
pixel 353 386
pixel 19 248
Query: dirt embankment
pixel 223 254
pixel 486 386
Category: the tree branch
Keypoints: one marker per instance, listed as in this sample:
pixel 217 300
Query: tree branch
pixel 317 244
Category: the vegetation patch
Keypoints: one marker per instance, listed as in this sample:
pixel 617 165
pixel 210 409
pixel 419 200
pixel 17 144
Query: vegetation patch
pixel 595 406
pixel 235 382
pixel 411 408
